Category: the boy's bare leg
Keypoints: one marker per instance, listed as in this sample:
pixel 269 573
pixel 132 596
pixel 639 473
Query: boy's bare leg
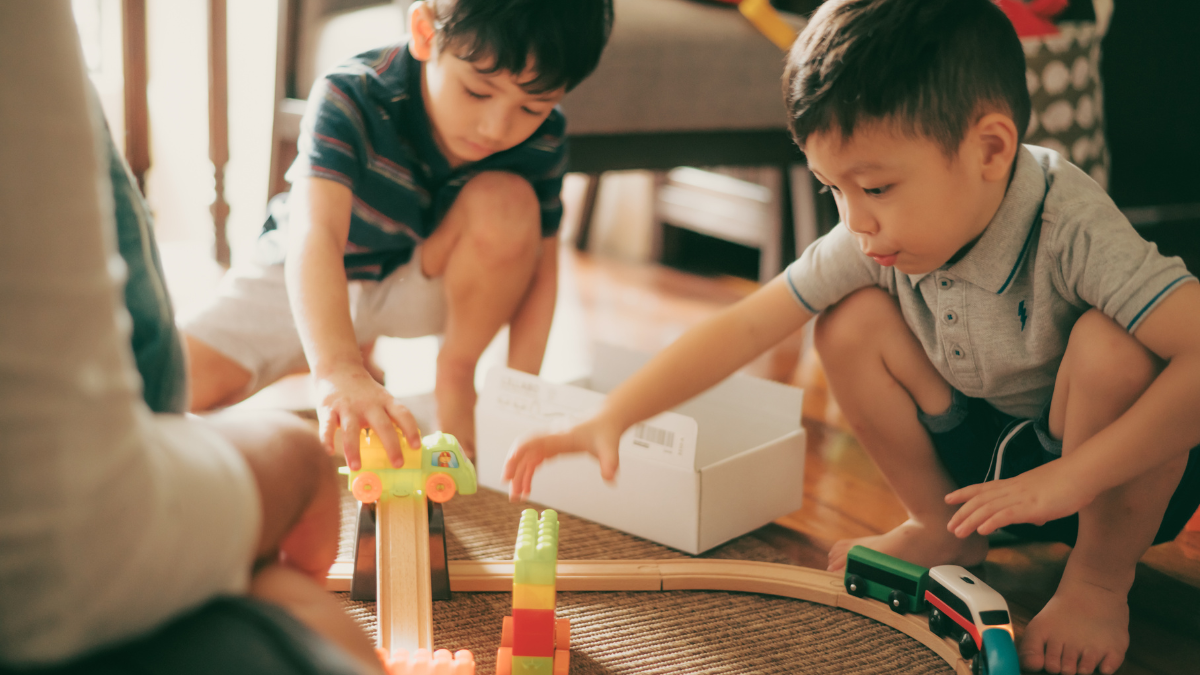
pixel 217 381
pixel 1085 625
pixel 486 248
pixel 880 376
pixel 300 523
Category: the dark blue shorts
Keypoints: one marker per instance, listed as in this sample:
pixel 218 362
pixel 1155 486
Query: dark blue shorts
pixel 972 437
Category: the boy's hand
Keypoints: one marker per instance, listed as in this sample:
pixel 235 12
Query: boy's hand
pixel 593 436
pixel 351 400
pixel 1046 493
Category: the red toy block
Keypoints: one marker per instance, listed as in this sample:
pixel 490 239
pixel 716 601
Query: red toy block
pixel 533 632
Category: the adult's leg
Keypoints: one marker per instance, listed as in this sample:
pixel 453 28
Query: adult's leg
pixel 486 248
pixel 1086 624
pixel 300 522
pixel 881 377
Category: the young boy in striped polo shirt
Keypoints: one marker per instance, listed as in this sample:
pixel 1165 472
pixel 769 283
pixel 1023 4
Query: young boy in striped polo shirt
pixel 424 200
pixel 1010 352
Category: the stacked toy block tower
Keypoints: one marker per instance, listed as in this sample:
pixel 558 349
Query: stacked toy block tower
pixel 534 641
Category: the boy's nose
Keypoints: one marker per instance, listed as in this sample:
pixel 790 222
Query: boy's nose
pixel 494 127
pixel 858 220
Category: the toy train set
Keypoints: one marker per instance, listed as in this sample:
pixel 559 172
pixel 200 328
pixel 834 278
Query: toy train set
pixel 961 606
pixel 535 642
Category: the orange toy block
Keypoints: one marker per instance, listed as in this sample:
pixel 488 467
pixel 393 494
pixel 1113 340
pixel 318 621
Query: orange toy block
pixel 421 662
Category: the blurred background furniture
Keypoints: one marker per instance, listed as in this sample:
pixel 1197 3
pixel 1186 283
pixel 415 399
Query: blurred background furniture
pixel 681 83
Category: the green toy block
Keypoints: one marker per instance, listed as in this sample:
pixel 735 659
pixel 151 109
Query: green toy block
pixel 532 665
pixel 536 555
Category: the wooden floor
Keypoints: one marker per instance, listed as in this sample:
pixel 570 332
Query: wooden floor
pixel 845 496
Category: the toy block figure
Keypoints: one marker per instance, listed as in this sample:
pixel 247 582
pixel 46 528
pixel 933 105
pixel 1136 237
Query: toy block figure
pixel 533 641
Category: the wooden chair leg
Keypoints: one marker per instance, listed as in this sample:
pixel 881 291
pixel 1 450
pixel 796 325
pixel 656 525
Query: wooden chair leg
pixel 589 207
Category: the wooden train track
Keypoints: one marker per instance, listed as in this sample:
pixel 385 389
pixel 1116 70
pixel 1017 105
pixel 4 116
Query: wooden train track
pixel 787 581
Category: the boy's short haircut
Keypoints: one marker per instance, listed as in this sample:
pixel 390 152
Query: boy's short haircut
pixel 562 38
pixel 933 67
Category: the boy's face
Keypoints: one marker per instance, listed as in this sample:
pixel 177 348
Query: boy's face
pixel 476 114
pixel 908 205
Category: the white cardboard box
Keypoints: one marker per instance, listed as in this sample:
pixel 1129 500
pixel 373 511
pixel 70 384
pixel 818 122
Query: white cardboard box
pixel 727 462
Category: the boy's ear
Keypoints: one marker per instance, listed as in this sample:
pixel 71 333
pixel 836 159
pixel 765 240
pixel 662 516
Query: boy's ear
pixel 422 31
pixel 997 136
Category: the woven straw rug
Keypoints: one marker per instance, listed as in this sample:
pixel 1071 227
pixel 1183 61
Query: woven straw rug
pixel 656 632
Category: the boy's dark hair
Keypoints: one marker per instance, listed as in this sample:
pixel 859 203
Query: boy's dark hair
pixel 932 66
pixel 564 38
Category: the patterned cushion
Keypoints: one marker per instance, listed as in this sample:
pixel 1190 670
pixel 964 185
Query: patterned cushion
pixel 1063 74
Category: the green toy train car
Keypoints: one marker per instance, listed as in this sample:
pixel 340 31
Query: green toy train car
pixel 896 582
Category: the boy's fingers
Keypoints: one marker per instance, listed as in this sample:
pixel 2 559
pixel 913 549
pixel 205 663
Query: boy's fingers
pixel 381 424
pixel 350 430
pixel 963 494
pixel 608 465
pixel 404 419
pixel 328 432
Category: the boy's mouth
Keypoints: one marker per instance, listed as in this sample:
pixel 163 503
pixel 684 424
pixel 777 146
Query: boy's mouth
pixel 885 260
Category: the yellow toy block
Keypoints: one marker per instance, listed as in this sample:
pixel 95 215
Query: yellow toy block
pixel 533 596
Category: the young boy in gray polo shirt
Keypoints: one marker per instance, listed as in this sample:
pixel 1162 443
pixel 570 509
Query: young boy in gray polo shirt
pixel 1006 347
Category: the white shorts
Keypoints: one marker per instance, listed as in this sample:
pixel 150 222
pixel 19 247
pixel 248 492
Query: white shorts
pixel 251 322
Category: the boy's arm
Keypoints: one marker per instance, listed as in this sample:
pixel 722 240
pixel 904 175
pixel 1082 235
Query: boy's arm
pixel 702 357
pixel 530 326
pixel 350 399
pixel 1160 426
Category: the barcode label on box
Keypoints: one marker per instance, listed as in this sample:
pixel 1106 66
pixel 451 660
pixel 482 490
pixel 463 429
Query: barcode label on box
pixel 649 434
pixel 669 438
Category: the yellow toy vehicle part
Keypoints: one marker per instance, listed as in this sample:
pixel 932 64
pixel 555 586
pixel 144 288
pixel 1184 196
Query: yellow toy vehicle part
pixel 438 469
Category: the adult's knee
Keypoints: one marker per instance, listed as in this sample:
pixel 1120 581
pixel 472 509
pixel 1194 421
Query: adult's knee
pixel 1103 357
pixel 504 217
pixel 855 321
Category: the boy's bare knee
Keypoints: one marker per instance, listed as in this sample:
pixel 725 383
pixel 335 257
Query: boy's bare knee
pixel 853 321
pixel 1104 357
pixel 504 217
pixel 214 380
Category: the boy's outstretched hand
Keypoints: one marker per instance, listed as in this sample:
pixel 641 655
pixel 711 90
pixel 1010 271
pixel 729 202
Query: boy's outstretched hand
pixel 1046 493
pixel 593 436
pixel 351 400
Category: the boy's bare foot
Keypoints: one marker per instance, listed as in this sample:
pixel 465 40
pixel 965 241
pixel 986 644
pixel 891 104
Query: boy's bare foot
pixel 919 544
pixel 1085 626
pixel 455 394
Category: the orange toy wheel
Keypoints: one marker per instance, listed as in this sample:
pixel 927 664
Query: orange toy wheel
pixel 367 487
pixel 506 632
pixel 440 488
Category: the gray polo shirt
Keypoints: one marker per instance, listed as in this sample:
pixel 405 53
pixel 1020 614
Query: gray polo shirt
pixel 995 323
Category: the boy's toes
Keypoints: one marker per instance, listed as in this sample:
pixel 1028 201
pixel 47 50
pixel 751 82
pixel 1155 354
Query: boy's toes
pixel 1089 660
pixel 1033 653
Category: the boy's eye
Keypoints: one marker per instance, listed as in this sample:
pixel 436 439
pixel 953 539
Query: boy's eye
pixel 877 191
pixel 530 112
pixel 473 94
pixel 826 189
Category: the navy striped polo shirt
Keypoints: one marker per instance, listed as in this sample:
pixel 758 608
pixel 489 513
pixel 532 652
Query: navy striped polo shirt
pixel 366 128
